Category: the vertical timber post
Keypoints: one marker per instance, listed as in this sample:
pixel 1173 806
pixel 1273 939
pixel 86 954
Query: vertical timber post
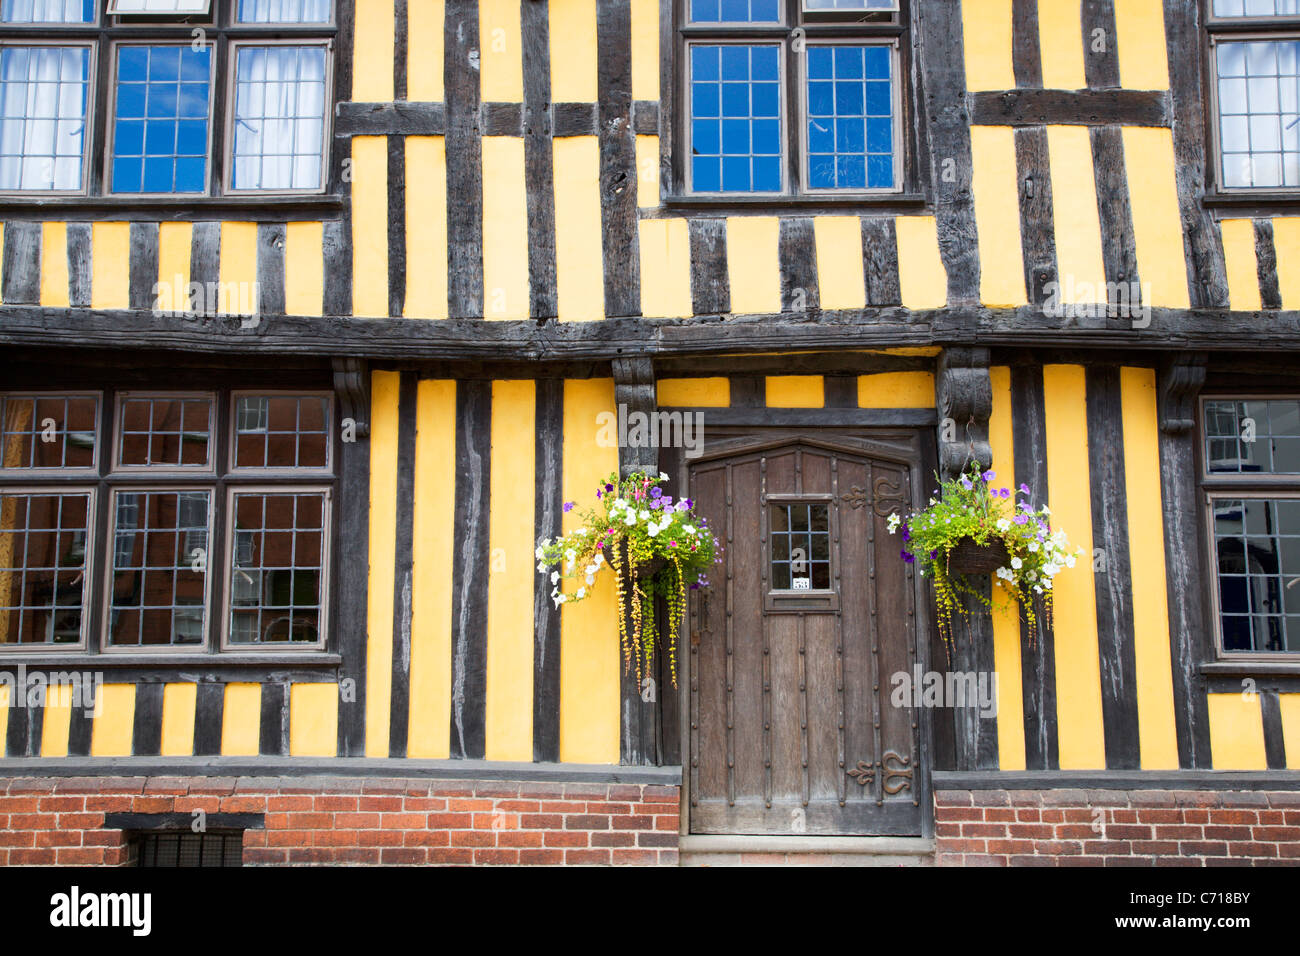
pixel 634 392
pixel 964 401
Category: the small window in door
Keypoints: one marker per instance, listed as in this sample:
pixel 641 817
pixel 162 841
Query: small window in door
pixel 799 555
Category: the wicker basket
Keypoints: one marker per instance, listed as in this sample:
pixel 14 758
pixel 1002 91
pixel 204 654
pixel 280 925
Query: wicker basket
pixel 968 557
pixel 646 569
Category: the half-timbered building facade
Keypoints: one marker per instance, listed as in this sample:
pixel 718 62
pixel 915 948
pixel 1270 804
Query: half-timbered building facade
pixel 315 314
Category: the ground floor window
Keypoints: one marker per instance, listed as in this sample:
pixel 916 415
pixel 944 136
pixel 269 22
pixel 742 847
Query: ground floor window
pixel 1251 477
pixel 170 520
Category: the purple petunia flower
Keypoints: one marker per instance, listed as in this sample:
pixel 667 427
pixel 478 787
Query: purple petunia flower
pixel 568 506
pixel 906 556
pixel 934 555
pixel 1024 489
pixel 609 487
pixel 907 532
pixel 967 483
pixel 1021 519
pixel 1004 492
pixel 655 492
pixel 688 503
pixel 656 504
pixel 989 475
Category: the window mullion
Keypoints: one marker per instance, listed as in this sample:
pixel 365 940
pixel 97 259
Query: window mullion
pixel 794 139
pixel 219 110
pixel 218 546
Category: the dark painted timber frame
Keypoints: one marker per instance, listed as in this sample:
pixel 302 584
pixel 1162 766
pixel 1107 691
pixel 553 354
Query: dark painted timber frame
pixel 797 25
pixel 221 32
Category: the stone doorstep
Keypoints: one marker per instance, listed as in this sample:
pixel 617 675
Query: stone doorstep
pixel 746 850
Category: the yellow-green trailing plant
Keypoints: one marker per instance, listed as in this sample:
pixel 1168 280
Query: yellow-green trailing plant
pixel 652 546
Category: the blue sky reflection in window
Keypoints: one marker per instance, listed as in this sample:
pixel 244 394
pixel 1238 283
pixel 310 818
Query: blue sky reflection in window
pixel 735 11
pixel 47 11
pixel 160 136
pixel 850 117
pixel 735 118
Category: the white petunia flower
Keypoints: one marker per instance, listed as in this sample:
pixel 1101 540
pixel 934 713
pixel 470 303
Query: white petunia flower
pixel 662 476
pixel 644 515
pixel 1017 563
pixel 555 576
pixel 582 593
pixel 539 553
pixel 1005 574
pixel 1004 524
pixel 1033 545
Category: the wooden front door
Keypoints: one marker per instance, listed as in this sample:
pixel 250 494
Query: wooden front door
pixel 810 613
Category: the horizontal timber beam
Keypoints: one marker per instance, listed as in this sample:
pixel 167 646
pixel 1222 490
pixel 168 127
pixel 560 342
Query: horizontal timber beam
pixel 474 339
pixel 1070 108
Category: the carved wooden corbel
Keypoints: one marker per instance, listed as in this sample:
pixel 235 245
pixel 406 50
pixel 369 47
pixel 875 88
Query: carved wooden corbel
pixel 634 391
pixel 1181 380
pixel 964 400
pixel 350 375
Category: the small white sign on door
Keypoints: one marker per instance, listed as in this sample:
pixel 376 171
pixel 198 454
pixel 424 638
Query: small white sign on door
pixel 802 584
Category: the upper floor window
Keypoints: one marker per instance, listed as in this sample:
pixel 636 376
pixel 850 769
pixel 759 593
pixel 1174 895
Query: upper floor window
pixel 1255 52
pixel 201 98
pixel 790 98
pixel 1251 449
pixel 161 541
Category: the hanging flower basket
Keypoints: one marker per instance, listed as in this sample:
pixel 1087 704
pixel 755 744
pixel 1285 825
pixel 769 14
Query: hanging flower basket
pixel 971 528
pixel 968 556
pixel 654 547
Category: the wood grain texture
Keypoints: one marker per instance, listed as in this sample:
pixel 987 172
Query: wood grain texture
pixel 1026 54
pixel 546 615
pixel 1113 580
pixel 79 264
pixel 1100 44
pixel 1037 226
pixel 352 545
pixel 143 266
pixel 617 141
pixel 464 162
pixel 797 253
pixel 20 281
pixel 270 267
pixel 397 225
pixel 1118 246
pixel 1180 380
pixel 471 558
pixel 1070 108
pixel 710 285
pixel 1038 660
pixel 880 261
pixel 403 556
pixel 1270 295
pixel 539 160
pixel 1206 270
pixel 205 259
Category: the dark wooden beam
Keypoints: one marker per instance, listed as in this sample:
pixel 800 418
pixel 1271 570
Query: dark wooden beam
pixel 1070 108
pixel 390 119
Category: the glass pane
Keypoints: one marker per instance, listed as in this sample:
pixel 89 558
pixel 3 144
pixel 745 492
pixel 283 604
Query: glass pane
pixel 158 6
pixel 160 555
pixel 1257 541
pixel 1258 436
pixel 42 567
pixel 166 431
pixel 160 130
pixel 281 431
pixel 43 93
pixel 800 534
pixel 735 11
pixel 850 117
pixel 735 118
pixel 47 11
pixel 1258 111
pixel 1256 8
pixel 276 573
pixel 279 117
pixel 284 11
pixel 48 431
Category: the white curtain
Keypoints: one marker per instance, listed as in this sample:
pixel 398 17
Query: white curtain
pixel 279 117
pixel 42 116
pixel 284 11
pixel 46 11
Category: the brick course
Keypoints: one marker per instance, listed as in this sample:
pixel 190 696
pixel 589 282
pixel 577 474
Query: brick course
pixel 1116 828
pixel 341 820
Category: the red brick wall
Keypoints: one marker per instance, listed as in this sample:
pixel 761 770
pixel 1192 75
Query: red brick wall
pixel 1116 827
pixel 52 820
